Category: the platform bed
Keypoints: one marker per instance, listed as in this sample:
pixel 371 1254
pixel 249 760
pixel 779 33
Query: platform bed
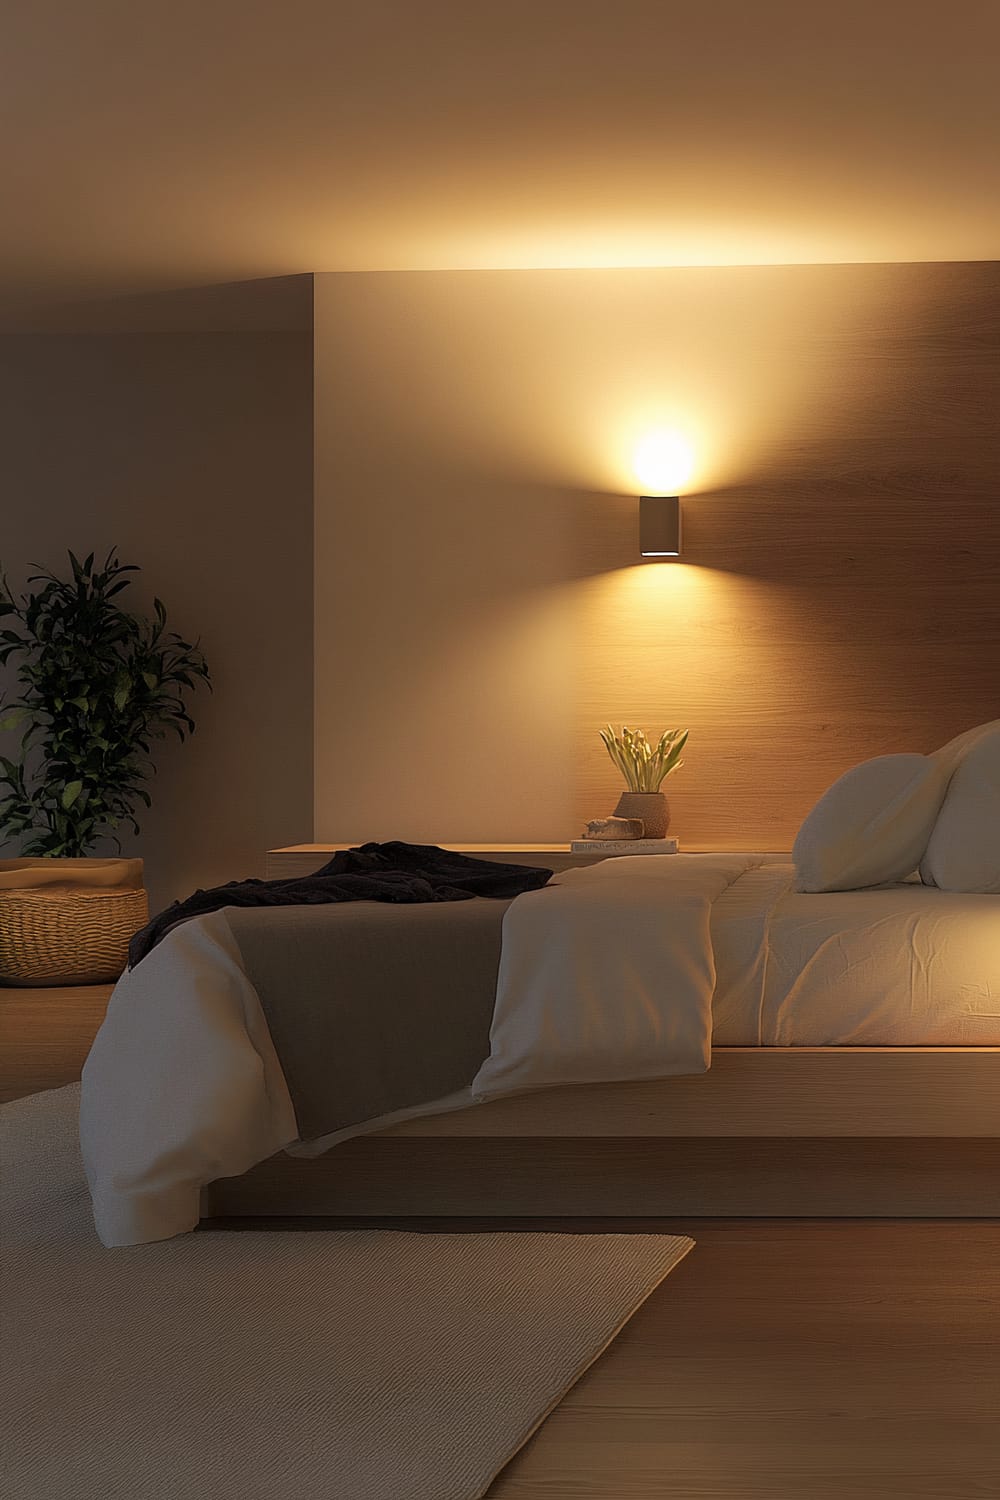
pixel 815 1131
pixel 247 1028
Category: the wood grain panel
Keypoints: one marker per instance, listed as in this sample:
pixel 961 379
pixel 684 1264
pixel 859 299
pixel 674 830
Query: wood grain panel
pixel 304 859
pixel 790 1361
pixel 841 597
pixel 763 1091
pixel 379 1175
pixel 45 1035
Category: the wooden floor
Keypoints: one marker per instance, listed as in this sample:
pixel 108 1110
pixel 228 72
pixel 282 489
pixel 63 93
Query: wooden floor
pixel 792 1361
pixel 784 1359
pixel 850 1360
pixel 45 1035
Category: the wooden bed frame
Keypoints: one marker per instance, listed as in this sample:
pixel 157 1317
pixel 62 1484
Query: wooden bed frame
pixel 804 1131
pixel 816 1131
pixel 850 596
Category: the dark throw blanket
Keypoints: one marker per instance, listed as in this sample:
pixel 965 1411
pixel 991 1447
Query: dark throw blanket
pixel 373 872
pixel 372 1008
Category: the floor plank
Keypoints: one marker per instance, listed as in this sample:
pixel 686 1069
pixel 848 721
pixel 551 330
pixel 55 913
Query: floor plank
pixel 45 1035
pixel 856 1359
pixel 784 1359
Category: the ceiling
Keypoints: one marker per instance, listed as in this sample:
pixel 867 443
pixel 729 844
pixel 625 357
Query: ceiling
pixel 173 143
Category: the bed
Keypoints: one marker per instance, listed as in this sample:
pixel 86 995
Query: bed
pixel 853 1043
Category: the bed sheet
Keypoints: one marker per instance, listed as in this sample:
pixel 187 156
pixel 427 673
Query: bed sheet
pixel 904 965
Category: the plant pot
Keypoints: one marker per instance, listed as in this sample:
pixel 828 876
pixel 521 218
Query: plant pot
pixel 68 921
pixel 651 807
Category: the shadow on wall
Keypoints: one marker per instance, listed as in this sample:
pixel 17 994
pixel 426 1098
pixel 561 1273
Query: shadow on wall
pixel 276 304
pixel 190 449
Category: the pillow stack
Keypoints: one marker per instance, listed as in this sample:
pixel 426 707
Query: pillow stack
pixel 963 852
pixel 887 816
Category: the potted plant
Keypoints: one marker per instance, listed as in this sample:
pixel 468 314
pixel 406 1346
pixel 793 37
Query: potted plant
pixel 95 686
pixel 645 768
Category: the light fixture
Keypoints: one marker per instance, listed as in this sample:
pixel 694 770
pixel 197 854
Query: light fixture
pixel 662 461
pixel 660 525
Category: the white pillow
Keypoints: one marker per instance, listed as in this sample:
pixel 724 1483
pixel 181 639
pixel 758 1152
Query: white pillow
pixel 872 826
pixel 955 749
pixel 963 853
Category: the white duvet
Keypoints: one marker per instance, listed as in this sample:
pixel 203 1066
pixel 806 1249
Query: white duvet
pixel 619 971
pixel 608 975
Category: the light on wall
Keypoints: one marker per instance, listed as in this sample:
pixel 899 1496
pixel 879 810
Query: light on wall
pixel 663 463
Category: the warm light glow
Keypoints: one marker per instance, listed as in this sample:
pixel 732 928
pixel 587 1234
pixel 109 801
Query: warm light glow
pixel 471 241
pixel 663 463
pixel 687 592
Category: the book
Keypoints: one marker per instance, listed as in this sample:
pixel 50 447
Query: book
pixel 624 846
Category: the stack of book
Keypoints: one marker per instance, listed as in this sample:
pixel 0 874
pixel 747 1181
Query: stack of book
pixel 623 846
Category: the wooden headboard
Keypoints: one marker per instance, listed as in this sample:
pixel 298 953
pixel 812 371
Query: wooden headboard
pixel 842 598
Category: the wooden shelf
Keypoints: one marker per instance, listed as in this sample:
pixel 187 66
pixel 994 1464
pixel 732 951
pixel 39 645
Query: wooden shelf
pixel 302 859
pixel 45 1035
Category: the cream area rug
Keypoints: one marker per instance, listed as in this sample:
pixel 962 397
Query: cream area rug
pixel 326 1365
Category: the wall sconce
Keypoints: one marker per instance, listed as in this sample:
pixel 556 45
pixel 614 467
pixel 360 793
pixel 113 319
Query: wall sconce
pixel 660 525
pixel 663 461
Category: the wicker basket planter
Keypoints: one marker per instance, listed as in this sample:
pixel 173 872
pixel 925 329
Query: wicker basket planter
pixel 72 924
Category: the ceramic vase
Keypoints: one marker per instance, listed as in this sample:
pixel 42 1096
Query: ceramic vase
pixel 651 807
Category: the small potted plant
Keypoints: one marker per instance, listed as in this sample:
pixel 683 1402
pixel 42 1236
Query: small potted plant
pixel 645 768
pixel 96 685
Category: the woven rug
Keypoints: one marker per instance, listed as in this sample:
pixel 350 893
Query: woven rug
pixel 326 1365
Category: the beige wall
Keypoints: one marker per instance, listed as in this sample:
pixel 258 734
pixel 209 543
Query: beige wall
pixel 480 607
pixel 479 603
pixel 192 452
pixel 444 705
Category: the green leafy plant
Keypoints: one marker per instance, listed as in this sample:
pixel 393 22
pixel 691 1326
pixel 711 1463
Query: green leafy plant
pixel 96 686
pixel 645 766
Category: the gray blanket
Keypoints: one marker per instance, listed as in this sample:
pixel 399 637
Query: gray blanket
pixel 373 1008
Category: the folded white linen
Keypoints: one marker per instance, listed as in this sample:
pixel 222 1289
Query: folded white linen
pixel 182 1086
pixel 607 974
pixel 963 853
pixel 872 826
